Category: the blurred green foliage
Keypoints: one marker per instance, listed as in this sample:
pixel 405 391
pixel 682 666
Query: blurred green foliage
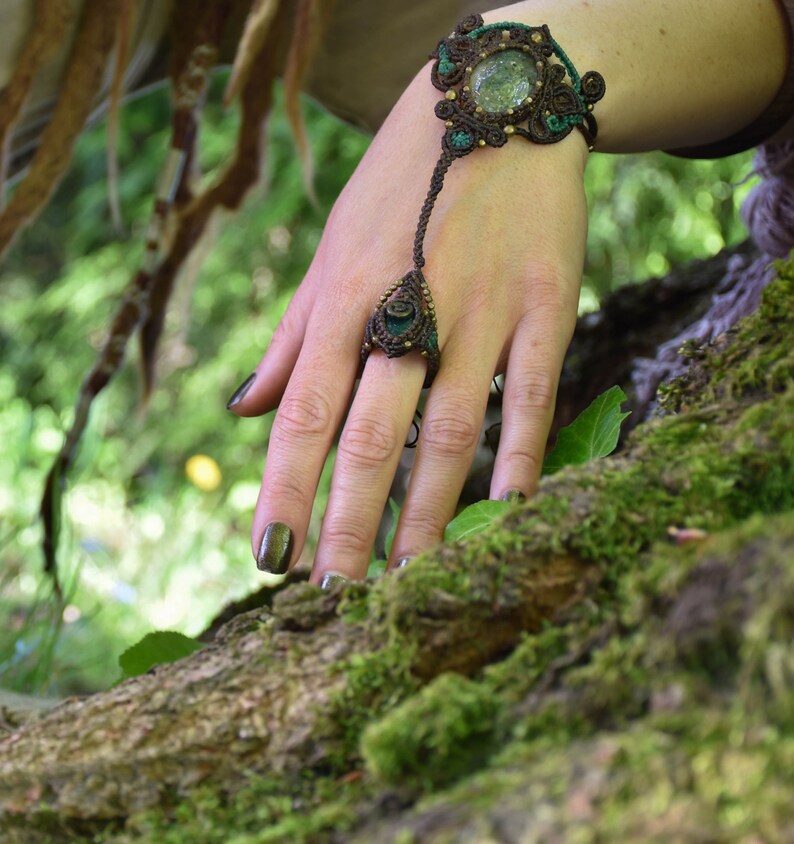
pixel 152 539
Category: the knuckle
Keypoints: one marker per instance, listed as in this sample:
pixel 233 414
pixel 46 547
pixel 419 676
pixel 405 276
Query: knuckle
pixel 286 488
pixel 454 432
pixel 523 460
pixel 423 526
pixel 550 289
pixel 532 390
pixel 304 414
pixel 368 441
pixel 346 538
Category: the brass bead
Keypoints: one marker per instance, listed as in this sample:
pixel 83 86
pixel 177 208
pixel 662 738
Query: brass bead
pixel 483 54
pixel 450 95
pixel 468 70
pixel 510 130
pixel 539 84
pixel 528 100
pixel 589 106
pixel 539 65
pixel 503 46
pixel 510 111
pixel 368 346
pixel 449 123
pixel 481 142
pixel 547 112
pixel 478 109
pixel 423 353
pixel 525 48
pixel 505 34
pixel 537 37
pixel 466 88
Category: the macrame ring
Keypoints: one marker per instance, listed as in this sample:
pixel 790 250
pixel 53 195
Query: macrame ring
pixel 405 322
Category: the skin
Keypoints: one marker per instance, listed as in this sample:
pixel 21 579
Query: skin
pixel 504 264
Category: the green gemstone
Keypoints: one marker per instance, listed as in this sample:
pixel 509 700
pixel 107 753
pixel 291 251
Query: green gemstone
pixel 400 317
pixel 503 80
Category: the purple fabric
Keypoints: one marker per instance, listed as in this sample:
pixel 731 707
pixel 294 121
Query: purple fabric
pixel 768 213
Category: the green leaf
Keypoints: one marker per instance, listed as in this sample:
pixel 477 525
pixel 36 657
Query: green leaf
pixel 594 433
pixel 395 517
pixel 377 568
pixel 155 649
pixel 474 519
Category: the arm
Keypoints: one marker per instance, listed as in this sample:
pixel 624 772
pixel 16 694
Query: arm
pixel 505 249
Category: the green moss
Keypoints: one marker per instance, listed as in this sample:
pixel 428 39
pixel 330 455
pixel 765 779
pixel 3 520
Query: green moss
pixel 436 736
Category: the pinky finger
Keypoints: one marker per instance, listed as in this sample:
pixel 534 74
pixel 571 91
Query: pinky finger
pixel 262 390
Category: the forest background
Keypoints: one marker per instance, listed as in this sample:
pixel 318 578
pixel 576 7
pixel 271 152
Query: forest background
pixel 157 515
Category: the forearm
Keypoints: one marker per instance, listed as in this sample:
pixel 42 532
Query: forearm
pixel 678 73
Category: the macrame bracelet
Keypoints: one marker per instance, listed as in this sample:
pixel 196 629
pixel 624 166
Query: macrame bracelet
pixel 499 80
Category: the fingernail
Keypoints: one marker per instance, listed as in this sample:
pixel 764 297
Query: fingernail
pixel 513 495
pixel 331 579
pixel 275 549
pixel 239 394
pixel 402 562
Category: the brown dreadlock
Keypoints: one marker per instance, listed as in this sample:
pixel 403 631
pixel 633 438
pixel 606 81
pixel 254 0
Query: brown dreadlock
pixel 195 39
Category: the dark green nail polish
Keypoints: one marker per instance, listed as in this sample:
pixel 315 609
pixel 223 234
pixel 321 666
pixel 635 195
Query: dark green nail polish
pixel 402 562
pixel 275 551
pixel 331 579
pixel 513 495
pixel 239 394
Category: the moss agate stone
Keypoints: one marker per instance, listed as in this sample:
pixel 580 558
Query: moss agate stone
pixel 503 80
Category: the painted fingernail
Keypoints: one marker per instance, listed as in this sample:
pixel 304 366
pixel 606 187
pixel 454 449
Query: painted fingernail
pixel 402 562
pixel 513 495
pixel 331 579
pixel 275 550
pixel 239 394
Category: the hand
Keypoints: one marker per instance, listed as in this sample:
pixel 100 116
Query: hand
pixel 504 249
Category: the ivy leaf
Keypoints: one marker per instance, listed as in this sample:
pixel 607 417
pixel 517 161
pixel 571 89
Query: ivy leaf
pixel 474 519
pixel 594 433
pixel 395 517
pixel 154 649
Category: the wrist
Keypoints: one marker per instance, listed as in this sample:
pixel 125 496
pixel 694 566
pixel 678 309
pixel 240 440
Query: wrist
pixel 675 75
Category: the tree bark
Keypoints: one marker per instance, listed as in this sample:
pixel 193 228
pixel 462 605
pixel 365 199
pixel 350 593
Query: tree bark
pixel 611 661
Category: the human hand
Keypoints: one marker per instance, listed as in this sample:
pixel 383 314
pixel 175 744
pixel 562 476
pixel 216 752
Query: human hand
pixel 504 252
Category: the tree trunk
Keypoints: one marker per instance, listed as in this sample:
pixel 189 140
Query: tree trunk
pixel 612 661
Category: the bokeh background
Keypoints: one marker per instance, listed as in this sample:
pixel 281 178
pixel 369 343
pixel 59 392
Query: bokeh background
pixel 158 509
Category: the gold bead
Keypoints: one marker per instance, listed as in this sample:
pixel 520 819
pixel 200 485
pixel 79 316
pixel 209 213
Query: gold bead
pixel 483 54
pixel 547 112
pixel 510 130
pixel 539 84
pixel 481 142
pixel 537 37
pixel 407 344
pixel 367 346
pixel 539 65
pixel 505 34
pixel 466 88
pixel 478 109
pixel 510 111
pixel 525 48
pixel 449 123
pixel 423 353
pixel 528 100
pixel 450 95
pixel 468 70
pixel 503 46
pixel 589 106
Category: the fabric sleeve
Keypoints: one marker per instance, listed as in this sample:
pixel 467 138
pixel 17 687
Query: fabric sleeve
pixel 775 124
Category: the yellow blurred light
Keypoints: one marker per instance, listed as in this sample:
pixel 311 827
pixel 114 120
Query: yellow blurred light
pixel 202 471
